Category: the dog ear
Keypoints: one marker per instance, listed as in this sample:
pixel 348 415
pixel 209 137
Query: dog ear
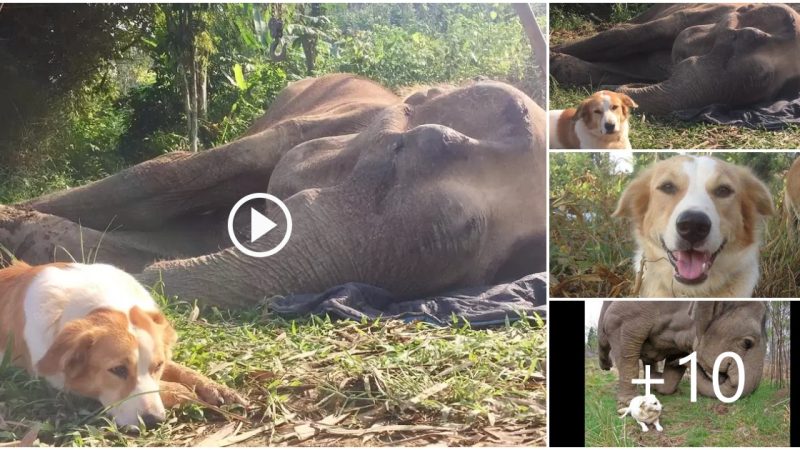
pixel 70 350
pixel 634 200
pixel 155 322
pixel 583 112
pixel 627 101
pixel 757 194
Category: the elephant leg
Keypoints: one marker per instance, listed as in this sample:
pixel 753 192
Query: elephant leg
pixel 649 68
pixel 625 40
pixel 654 30
pixel 672 375
pixel 38 238
pixel 180 186
pixel 632 337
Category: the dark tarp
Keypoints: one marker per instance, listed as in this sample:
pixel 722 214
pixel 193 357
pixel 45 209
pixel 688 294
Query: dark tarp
pixel 480 306
pixel 772 115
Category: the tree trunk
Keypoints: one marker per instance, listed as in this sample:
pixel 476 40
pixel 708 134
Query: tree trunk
pixel 535 35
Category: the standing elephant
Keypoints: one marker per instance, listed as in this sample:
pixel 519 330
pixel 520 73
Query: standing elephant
pixel 680 56
pixel 654 331
pixel 445 190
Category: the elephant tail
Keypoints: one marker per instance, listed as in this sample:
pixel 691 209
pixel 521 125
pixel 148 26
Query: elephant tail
pixel 605 359
pixel 603 345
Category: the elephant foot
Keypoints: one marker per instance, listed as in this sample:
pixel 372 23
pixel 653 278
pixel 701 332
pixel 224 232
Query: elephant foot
pixel 623 400
pixel 570 70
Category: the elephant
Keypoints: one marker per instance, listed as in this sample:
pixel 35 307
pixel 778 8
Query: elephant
pixel 416 197
pixel 654 331
pixel 677 57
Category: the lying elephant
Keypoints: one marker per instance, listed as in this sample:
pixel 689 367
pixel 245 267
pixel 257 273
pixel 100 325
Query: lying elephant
pixel 681 56
pixel 654 331
pixel 418 197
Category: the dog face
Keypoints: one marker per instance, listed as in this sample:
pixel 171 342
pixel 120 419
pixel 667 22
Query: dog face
pixel 605 112
pixel 115 358
pixel 650 404
pixel 695 209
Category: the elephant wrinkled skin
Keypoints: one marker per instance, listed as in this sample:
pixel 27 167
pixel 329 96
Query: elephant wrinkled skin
pixel 444 191
pixel 680 56
pixel 654 331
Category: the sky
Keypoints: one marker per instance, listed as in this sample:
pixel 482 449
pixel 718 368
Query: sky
pixel 623 159
pixel 591 315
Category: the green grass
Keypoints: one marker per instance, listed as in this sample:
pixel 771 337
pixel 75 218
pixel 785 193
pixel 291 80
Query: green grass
pixel 660 132
pixel 321 382
pixel 758 420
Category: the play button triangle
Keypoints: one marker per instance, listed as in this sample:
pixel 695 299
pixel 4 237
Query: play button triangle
pixel 259 225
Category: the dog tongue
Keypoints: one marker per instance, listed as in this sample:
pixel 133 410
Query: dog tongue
pixel 692 264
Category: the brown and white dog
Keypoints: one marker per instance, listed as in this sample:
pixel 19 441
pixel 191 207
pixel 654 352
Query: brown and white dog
pixel 599 122
pixel 95 331
pixel 697 224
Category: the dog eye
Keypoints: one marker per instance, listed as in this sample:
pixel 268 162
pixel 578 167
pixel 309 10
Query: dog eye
pixel 614 107
pixel 597 111
pixel 747 344
pixel 119 371
pixel 723 191
pixel 157 367
pixel 668 188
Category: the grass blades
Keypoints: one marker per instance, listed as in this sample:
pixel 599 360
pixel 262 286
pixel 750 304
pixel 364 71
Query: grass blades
pixel 758 420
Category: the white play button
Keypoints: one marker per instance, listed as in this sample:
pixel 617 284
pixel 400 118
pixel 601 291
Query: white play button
pixel 259 225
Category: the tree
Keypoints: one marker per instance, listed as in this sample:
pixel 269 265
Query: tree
pixel 591 340
pixel 48 53
pixel 779 338
pixel 190 47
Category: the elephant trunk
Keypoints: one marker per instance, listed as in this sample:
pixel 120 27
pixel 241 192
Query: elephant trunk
pixel 691 85
pixel 731 377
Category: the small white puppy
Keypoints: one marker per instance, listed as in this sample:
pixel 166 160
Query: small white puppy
pixel 646 410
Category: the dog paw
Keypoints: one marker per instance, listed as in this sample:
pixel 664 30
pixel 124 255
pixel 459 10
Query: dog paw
pixel 217 394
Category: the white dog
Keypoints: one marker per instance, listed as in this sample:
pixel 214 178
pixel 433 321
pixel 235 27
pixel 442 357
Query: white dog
pixel 646 410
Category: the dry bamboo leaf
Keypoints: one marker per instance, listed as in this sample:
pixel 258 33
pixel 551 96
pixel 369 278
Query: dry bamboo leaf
pixel 214 439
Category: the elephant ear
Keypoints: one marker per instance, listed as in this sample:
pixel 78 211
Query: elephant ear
pixel 703 313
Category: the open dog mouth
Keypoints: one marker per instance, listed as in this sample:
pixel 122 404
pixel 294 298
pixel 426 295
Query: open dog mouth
pixel 691 266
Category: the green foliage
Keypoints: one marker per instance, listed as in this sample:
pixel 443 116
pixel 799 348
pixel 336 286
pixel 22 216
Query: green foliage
pixel 128 104
pixel 569 16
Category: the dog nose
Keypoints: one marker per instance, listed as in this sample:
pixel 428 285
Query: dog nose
pixel 151 421
pixel 610 127
pixel 693 226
